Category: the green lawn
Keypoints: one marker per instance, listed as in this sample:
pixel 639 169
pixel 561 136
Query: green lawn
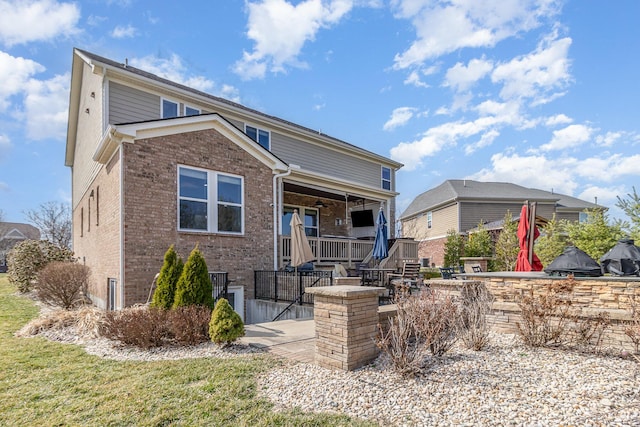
pixel 43 383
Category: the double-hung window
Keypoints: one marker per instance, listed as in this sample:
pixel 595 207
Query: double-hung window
pixel 429 219
pixel 386 178
pixel 169 109
pixel 261 136
pixel 210 201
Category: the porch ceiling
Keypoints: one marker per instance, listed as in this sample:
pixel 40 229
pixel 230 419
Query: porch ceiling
pixel 301 189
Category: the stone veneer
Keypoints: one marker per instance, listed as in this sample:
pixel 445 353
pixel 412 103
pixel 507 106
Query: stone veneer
pixel 346 321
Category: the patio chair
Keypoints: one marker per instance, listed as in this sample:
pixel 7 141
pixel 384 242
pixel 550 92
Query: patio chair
pixel 477 269
pixel 446 273
pixel 410 276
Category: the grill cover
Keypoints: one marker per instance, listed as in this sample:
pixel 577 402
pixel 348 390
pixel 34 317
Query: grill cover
pixel 622 260
pixel 574 261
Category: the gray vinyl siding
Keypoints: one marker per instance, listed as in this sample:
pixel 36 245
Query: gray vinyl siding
pixel 316 158
pixel 473 212
pixel 127 105
pixel 569 216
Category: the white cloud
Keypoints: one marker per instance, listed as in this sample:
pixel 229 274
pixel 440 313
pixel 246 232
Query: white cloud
pixel 532 172
pixel 606 196
pixel 461 77
pixel 5 146
pixel 173 69
pixel 609 138
pixel 46 107
pixel 485 140
pixel 95 20
pixel 399 117
pixel 15 73
pixel 538 74
pixel 558 119
pixel 445 26
pixel 569 137
pixel 24 21
pixel 280 29
pixel 414 79
pixel 121 32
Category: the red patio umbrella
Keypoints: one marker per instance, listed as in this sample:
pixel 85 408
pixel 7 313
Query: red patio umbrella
pixel 527 234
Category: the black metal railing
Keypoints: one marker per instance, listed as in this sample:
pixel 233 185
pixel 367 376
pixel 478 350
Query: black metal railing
pixel 286 286
pixel 219 284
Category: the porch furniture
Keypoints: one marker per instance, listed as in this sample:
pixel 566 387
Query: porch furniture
pixel 375 276
pixel 410 275
pixel 446 273
pixel 477 269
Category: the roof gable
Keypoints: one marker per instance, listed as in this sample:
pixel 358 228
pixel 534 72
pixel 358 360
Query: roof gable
pixel 18 230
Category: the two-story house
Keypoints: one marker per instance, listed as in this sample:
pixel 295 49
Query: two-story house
pixel 12 233
pixel 461 204
pixel 156 163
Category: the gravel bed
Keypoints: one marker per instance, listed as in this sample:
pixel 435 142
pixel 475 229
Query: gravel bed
pixel 506 385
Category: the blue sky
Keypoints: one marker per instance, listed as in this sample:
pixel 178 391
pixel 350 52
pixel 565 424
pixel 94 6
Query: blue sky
pixel 541 93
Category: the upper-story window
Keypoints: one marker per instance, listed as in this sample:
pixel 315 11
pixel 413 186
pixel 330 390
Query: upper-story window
pixel 583 217
pixel 261 136
pixel 191 111
pixel 386 178
pixel 429 216
pixel 210 201
pixel 169 109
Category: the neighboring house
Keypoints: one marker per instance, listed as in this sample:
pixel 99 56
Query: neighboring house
pixel 461 205
pixel 156 163
pixel 12 233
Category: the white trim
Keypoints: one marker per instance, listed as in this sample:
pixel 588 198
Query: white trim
pixel 121 303
pixel 238 299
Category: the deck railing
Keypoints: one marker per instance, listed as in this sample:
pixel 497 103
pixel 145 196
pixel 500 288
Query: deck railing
pixel 284 286
pixel 330 249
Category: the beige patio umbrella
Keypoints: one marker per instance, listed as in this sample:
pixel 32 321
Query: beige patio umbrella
pixel 300 249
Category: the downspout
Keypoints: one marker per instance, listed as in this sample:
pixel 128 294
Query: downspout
pixel 275 212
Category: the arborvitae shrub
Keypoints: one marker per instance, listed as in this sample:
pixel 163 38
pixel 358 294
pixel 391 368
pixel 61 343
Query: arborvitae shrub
pixel 28 257
pixel 167 281
pixel 194 285
pixel 62 284
pixel 226 325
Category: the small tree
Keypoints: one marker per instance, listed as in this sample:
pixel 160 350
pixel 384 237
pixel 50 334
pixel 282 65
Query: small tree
pixel 479 243
pixel 194 285
pixel 167 281
pixel 226 325
pixel 54 221
pixel 552 241
pixel 595 236
pixel 630 205
pixel 453 248
pixel 507 246
pixel 28 257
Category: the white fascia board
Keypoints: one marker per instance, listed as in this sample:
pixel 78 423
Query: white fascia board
pixel 329 182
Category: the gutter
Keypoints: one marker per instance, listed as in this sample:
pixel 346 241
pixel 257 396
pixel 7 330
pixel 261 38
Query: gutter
pixel 276 218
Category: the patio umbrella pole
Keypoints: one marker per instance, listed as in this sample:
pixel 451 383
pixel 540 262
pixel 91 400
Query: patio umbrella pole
pixel 531 232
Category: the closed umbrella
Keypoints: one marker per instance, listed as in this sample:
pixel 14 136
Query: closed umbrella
pixel 527 233
pixel 380 244
pixel 300 248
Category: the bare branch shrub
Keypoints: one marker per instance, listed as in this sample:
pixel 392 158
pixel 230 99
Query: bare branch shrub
pixel 589 331
pixel 62 284
pixel 189 325
pixel 632 330
pixel 474 305
pixel 424 324
pixel 138 326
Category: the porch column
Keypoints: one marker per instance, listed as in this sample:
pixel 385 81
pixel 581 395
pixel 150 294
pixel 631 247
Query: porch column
pixel 346 320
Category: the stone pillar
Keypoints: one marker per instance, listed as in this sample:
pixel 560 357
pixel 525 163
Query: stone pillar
pixel 351 281
pixel 346 319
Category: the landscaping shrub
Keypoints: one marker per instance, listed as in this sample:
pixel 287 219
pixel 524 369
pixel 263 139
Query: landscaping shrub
pixel 474 305
pixel 226 325
pixel 62 284
pixel 189 325
pixel 138 326
pixel 550 319
pixel 164 294
pixel 194 285
pixel 28 257
pixel 632 330
pixel 425 325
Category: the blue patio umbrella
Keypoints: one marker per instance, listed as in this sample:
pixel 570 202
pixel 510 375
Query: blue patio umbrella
pixel 380 244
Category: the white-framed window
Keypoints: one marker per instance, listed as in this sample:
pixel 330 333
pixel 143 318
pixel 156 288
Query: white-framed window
pixel 308 216
pixel 429 216
pixel 386 178
pixel 191 111
pixel 583 217
pixel 210 201
pixel 261 136
pixel 168 108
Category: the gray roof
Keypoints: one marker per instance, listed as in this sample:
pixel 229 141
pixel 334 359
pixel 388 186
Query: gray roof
pixel 26 230
pixel 228 103
pixel 456 190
